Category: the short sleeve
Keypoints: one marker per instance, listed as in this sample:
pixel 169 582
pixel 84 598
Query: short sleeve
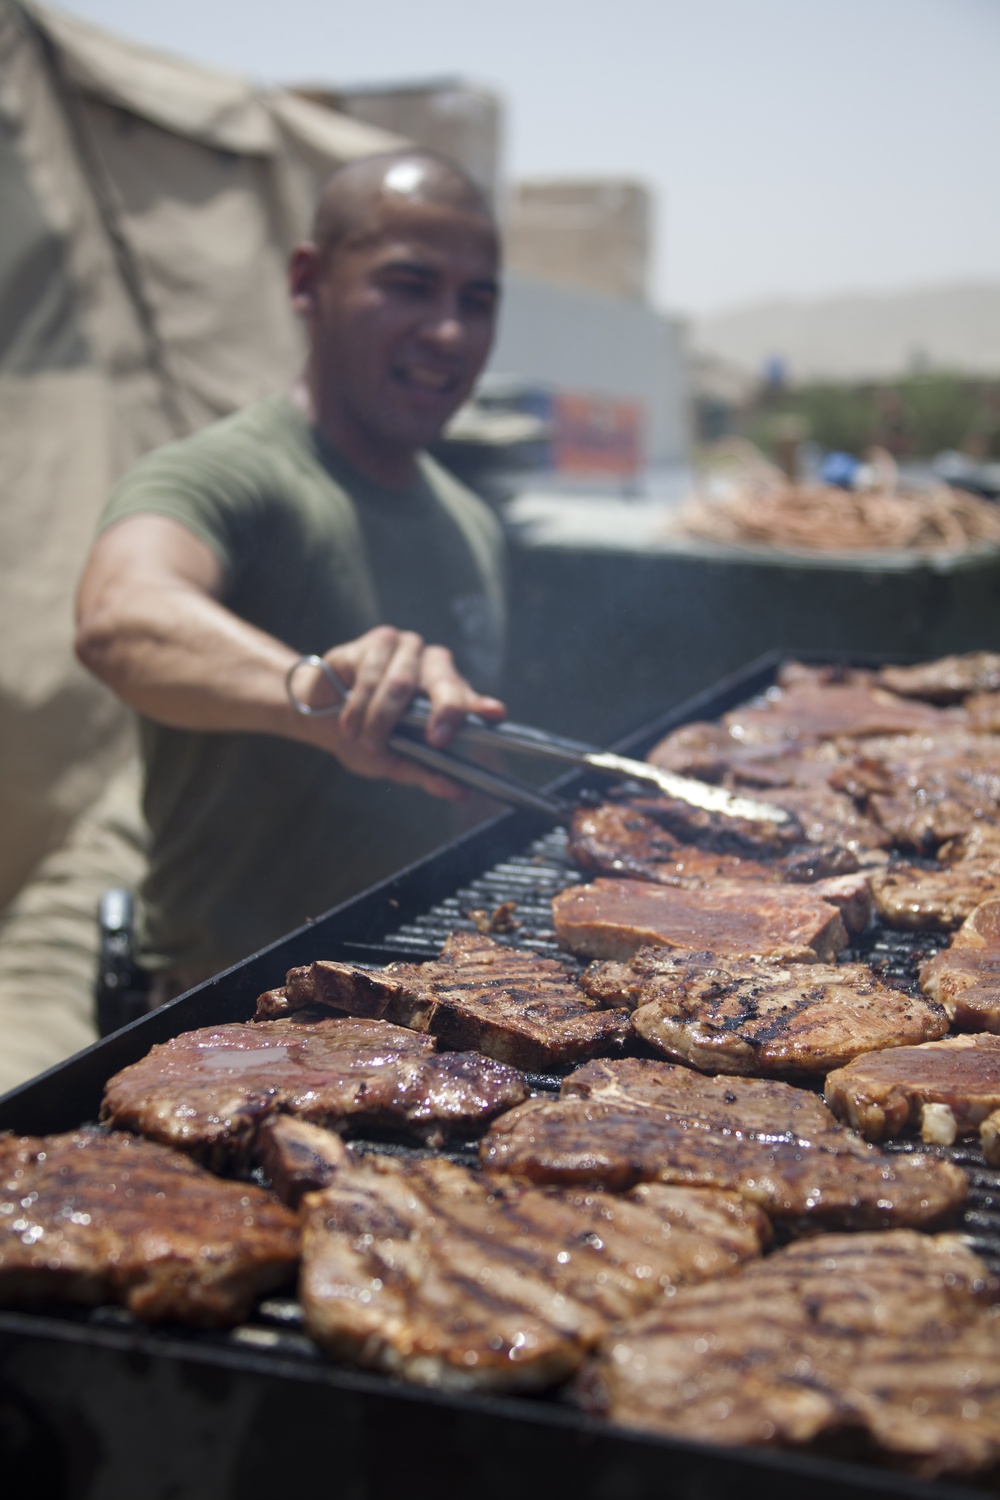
pixel 201 483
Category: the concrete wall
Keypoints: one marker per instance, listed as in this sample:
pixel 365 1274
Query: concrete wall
pixel 580 341
pixel 593 235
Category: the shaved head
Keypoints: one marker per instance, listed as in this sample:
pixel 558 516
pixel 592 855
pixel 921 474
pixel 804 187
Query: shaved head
pixel 353 201
pixel 399 290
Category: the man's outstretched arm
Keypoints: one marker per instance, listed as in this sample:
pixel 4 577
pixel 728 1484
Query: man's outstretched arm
pixel 150 624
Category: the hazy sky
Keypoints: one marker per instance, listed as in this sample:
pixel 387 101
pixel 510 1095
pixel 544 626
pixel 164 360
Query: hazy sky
pixel 795 147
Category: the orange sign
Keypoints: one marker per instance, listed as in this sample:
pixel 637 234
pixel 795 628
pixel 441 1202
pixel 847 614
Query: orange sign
pixel 596 435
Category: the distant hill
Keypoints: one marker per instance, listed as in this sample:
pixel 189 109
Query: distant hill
pixel 863 336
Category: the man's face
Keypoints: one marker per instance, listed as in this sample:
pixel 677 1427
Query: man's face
pixel 402 324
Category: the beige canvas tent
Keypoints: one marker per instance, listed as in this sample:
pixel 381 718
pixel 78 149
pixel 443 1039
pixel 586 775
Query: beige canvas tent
pixel 146 209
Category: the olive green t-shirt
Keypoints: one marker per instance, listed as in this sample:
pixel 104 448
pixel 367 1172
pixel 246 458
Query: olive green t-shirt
pixel 253 834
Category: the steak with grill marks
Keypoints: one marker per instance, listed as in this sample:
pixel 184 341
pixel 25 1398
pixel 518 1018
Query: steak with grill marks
pixel 762 1019
pixel 430 1271
pixel 891 1337
pixel 614 918
pixel 208 1091
pixel 627 1121
pixel 507 1002
pixel 89 1217
pixel 944 1089
pixel 965 978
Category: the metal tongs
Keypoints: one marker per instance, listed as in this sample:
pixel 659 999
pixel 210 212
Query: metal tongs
pixel 475 733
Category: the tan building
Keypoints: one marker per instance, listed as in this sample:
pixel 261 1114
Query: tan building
pixel 594 235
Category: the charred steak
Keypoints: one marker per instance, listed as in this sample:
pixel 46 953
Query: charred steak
pixel 88 1217
pixel 614 918
pixel 626 839
pixel 762 1019
pixel 888 1335
pixel 965 979
pixel 435 1273
pixel 627 1121
pixel 207 1091
pixel 508 1003
pixel 944 1089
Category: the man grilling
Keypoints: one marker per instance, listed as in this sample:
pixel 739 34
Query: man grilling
pixel 310 523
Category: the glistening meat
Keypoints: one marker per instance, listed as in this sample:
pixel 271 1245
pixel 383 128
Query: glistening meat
pixel 726 1015
pixel 622 1122
pixel 806 711
pixel 88 1217
pixel 918 899
pixel 947 680
pixel 926 790
pixel 507 1002
pixel 614 918
pixel 627 839
pixel 208 1091
pixel 965 978
pixel 944 1089
pixel 430 1271
pixel 891 1337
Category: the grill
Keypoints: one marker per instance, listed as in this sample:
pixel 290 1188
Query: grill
pixel 95 1406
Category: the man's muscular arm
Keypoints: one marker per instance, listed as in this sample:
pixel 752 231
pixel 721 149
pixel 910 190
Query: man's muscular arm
pixel 151 625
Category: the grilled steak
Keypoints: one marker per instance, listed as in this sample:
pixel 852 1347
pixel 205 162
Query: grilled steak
pixel 965 979
pixel 890 1336
pixel 712 753
pixel 88 1217
pixel 728 832
pixel 807 711
pixel 829 818
pixel 208 1091
pixel 925 790
pixel 944 1089
pixel 430 1271
pixel 919 899
pixel 613 918
pixel 979 843
pixel 626 839
pixel 297 1157
pixel 618 1123
pixel 507 1002
pixel 766 1020
pixel 948 680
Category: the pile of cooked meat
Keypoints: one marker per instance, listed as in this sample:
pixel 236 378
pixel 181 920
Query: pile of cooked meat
pixel 701 1231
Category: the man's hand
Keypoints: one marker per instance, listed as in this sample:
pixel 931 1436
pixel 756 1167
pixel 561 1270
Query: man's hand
pixel 385 669
pixel 151 625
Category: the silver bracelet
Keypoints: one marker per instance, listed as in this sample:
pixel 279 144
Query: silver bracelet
pixel 338 684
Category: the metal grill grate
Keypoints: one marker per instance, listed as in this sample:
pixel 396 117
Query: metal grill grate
pixel 531 879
